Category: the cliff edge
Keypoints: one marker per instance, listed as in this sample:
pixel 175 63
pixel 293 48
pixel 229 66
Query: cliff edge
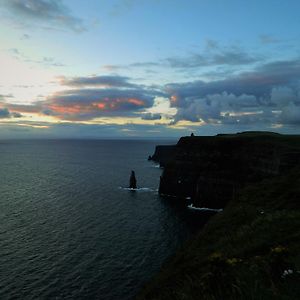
pixel 211 170
pixel 251 250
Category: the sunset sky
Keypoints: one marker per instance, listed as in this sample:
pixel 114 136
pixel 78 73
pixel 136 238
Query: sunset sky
pixel 148 68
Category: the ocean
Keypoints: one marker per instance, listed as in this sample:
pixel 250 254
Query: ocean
pixel 70 228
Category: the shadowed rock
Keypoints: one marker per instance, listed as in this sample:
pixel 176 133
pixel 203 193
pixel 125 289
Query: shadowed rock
pixel 132 181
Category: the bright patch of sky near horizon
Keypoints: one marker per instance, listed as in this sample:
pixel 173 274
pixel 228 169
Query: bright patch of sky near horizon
pixel 92 64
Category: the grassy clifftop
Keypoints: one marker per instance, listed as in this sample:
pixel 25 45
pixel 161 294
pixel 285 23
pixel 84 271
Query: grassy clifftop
pixel 249 251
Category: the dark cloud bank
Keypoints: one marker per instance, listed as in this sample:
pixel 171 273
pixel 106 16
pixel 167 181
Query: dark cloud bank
pixel 270 94
pixel 92 97
pixel 6 114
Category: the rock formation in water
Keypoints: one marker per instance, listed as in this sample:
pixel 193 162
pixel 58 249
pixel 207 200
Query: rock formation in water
pixel 132 181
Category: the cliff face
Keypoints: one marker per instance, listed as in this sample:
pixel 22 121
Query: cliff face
pixel 211 170
pixel 163 154
pixel 250 250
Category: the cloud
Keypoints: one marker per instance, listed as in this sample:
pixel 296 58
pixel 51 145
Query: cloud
pixel 16 115
pixel 4 98
pixel 268 39
pixel 25 36
pixel 230 57
pixel 216 108
pixel 149 116
pixel 6 114
pixel 30 129
pixel 269 94
pixel 139 65
pixel 97 96
pixel 148 64
pixel 120 7
pixel 77 130
pixel 86 104
pixel 100 81
pixel 259 82
pixel 46 60
pixel 93 97
pixel 213 55
pixel 43 12
pixel 112 68
pixel 290 114
pixel 23 108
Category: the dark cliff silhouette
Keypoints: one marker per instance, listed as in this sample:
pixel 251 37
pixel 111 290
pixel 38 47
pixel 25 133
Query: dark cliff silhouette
pixel 211 170
pixel 255 177
pixel 163 154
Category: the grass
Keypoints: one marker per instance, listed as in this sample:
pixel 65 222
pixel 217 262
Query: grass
pixel 249 251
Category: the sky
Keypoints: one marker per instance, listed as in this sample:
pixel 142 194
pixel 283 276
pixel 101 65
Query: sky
pixel 148 68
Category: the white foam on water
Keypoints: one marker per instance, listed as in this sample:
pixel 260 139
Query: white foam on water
pixel 191 206
pixel 142 189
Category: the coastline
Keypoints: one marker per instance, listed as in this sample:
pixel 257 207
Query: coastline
pixel 249 250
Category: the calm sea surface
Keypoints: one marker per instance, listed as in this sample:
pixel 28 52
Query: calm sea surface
pixel 70 230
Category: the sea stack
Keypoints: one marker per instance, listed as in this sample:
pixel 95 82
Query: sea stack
pixel 132 181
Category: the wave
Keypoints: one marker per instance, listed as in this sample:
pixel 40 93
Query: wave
pixel 142 189
pixel 156 166
pixel 191 206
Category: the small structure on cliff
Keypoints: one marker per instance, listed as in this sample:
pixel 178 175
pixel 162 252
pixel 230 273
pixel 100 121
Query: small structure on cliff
pixel 132 181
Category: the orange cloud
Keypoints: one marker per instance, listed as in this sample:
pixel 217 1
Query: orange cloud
pixel 66 109
pixel 100 105
pixel 136 102
pixel 174 99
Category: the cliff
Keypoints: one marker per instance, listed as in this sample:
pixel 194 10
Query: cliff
pixel 211 170
pixel 163 154
pixel 251 250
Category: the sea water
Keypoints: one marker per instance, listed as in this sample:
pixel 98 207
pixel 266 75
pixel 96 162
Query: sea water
pixel 71 229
